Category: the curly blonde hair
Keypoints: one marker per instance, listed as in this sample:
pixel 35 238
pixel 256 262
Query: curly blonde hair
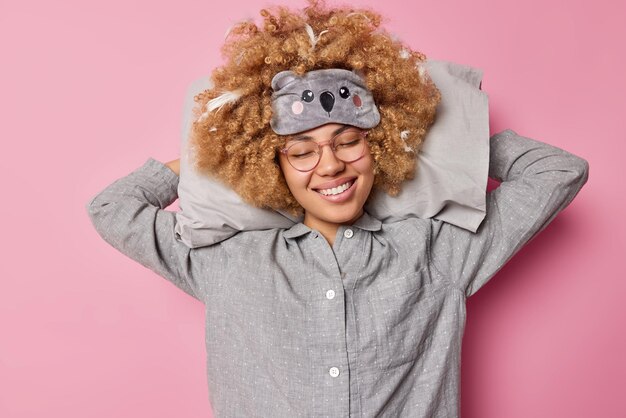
pixel 235 142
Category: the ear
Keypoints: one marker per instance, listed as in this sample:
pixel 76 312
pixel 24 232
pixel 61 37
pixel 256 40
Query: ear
pixel 283 78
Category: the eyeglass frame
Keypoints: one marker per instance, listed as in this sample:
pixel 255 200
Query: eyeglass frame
pixel 320 145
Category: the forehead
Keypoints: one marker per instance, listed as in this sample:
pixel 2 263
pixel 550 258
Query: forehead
pixel 321 133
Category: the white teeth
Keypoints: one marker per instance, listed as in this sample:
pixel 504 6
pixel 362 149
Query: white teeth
pixel 336 190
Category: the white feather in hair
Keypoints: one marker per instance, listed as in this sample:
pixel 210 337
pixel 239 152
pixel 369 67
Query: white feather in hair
pixel 220 101
pixel 403 136
pixel 359 14
pixel 223 99
pixel 312 37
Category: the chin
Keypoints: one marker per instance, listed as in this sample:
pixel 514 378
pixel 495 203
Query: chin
pixel 337 215
pixel 343 219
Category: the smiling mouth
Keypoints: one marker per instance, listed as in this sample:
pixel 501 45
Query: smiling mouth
pixel 336 190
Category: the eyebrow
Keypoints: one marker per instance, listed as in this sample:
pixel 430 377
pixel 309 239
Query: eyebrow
pixel 307 137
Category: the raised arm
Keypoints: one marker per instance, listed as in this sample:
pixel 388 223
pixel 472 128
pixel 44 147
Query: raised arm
pixel 129 214
pixel 538 181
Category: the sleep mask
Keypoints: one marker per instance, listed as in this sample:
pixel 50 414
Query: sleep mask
pixel 300 103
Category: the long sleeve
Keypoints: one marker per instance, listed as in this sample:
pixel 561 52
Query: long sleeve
pixel 129 214
pixel 538 181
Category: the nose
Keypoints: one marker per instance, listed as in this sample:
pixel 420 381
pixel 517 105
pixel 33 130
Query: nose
pixel 328 101
pixel 329 164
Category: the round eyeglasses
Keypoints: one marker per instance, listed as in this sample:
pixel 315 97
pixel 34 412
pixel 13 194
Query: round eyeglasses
pixel 305 154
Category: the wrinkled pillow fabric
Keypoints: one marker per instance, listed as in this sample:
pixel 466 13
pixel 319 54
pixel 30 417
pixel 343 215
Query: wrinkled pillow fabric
pixel 449 184
pixel 452 165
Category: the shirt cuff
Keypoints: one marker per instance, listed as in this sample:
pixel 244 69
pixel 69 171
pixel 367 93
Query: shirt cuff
pixel 160 179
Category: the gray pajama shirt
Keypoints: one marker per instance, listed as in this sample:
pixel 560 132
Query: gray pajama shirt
pixel 370 327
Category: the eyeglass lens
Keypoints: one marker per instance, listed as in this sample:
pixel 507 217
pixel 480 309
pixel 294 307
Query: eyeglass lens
pixel 348 146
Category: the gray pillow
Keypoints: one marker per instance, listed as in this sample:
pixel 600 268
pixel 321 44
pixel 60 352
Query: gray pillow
pixel 449 185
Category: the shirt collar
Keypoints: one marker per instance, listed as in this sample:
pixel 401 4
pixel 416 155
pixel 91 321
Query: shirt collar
pixel 365 222
pixel 297 230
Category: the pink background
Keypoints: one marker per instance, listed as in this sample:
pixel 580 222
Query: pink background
pixel 90 90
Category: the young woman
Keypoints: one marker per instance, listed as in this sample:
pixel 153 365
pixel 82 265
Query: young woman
pixel 339 315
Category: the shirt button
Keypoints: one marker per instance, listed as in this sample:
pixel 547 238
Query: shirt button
pixel 348 233
pixel 330 294
pixel 334 372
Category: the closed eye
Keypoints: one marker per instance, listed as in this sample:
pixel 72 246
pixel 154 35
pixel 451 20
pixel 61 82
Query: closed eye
pixel 303 155
pixel 348 144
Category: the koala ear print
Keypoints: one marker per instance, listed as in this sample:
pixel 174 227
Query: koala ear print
pixel 360 74
pixel 283 78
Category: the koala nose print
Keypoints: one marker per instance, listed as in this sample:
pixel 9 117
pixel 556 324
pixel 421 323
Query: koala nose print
pixel 328 101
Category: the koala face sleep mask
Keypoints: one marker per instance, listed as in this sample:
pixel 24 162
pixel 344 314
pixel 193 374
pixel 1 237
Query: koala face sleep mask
pixel 300 103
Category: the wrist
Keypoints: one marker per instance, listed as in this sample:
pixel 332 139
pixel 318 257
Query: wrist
pixel 174 165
